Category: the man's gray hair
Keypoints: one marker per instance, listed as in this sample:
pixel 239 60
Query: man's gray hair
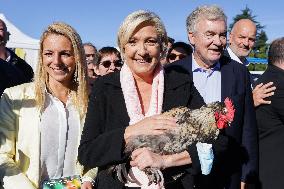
pixel 90 45
pixel 209 12
pixel 276 51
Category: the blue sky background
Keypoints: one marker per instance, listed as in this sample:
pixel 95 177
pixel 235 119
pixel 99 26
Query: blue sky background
pixel 98 21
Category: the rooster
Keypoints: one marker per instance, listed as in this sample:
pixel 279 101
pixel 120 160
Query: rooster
pixel 199 125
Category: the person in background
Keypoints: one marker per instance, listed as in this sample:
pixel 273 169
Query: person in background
pixel 91 56
pixel 14 70
pixel 169 45
pixel 108 60
pixel 90 52
pixel 270 121
pixel 126 103
pixel 179 50
pixel 171 41
pixel 9 76
pixel 217 77
pixel 41 121
pixel 241 42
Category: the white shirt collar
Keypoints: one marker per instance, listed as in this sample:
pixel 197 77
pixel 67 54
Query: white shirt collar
pixel 196 67
pixel 234 57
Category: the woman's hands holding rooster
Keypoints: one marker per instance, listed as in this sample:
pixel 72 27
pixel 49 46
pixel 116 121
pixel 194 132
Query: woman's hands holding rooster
pixel 154 125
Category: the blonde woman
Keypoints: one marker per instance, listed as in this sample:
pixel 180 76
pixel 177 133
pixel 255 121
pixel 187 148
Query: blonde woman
pixel 41 122
pixel 126 103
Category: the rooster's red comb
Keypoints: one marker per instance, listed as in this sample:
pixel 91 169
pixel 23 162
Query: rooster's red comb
pixel 230 109
pixel 223 120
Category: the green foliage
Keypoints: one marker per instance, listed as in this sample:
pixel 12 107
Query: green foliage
pixel 261 45
pixel 247 14
pixel 257 67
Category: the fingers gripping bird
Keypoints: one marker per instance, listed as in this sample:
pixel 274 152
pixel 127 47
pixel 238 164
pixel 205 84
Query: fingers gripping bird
pixel 199 125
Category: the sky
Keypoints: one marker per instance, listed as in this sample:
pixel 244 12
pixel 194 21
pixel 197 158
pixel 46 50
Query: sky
pixel 97 21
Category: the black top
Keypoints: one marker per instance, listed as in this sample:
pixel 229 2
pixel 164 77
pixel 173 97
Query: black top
pixel 102 142
pixel 9 76
pixel 22 66
pixel 270 121
pixel 14 72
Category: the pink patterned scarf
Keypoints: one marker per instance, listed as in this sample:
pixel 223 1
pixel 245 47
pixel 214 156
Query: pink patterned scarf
pixel 133 106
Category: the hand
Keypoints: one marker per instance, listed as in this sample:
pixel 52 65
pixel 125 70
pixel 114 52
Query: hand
pixel 260 92
pixel 143 158
pixel 243 185
pixel 86 185
pixel 154 125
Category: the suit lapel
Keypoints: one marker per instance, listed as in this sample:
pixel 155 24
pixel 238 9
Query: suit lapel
pixel 227 78
pixel 173 87
pixel 186 63
pixel 121 106
pixel 117 100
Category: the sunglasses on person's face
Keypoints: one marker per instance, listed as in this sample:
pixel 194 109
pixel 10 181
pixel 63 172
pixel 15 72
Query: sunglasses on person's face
pixel 174 56
pixel 107 63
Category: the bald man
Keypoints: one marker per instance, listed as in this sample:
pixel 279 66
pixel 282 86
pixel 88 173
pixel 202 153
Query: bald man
pixel 241 42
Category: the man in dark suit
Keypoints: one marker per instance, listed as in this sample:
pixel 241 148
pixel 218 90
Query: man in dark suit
pixel 9 76
pixel 14 69
pixel 270 121
pixel 241 42
pixel 217 77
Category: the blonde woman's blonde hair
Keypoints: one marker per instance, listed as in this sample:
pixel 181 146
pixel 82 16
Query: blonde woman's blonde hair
pixel 79 90
pixel 135 19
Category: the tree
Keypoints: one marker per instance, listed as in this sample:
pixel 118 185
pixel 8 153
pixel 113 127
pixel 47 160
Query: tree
pixel 247 14
pixel 261 46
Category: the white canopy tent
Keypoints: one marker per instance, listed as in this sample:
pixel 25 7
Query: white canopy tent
pixel 20 40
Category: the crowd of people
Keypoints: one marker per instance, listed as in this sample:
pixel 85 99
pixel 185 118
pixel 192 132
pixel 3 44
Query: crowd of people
pixel 70 121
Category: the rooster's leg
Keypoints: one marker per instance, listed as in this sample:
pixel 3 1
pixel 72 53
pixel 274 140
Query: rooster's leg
pixel 154 175
pixel 151 177
pixel 119 174
pixel 123 176
pixel 130 176
pixel 161 180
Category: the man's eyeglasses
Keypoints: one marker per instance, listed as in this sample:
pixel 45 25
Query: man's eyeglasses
pixel 107 63
pixel 174 56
